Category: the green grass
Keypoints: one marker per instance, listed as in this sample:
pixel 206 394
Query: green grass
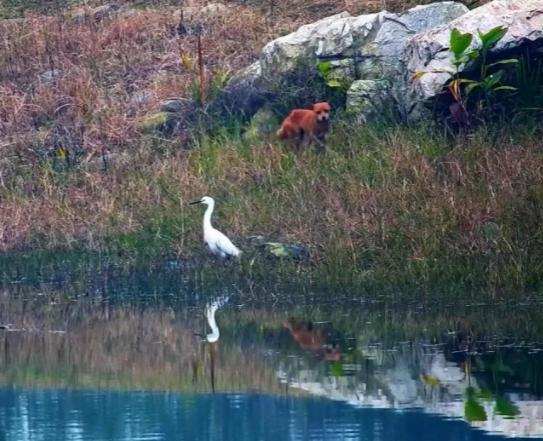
pixel 386 207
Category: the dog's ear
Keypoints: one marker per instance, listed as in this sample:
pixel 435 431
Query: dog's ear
pixel 323 107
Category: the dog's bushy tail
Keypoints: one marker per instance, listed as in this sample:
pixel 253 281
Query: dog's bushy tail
pixel 286 130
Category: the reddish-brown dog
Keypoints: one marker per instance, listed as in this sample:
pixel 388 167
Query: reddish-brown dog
pixel 306 125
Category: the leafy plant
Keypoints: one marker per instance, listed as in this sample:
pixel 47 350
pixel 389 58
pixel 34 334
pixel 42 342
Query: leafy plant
pixel 478 93
pixel 490 82
pixel 326 72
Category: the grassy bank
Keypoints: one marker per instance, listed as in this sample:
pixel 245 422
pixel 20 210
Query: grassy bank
pixel 394 204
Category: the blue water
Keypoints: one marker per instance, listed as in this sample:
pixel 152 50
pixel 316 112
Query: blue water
pixel 58 415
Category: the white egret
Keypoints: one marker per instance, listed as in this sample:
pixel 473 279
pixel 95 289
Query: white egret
pixel 217 242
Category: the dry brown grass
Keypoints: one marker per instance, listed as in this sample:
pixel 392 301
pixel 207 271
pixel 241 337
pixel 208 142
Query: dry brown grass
pixel 86 84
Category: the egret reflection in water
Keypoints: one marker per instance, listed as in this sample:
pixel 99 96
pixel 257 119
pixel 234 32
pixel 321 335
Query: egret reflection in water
pixel 213 336
pixel 210 310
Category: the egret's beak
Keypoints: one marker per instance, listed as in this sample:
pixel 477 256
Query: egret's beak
pixel 195 202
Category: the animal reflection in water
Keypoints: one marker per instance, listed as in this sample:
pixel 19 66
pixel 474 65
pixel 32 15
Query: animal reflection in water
pixel 211 337
pixel 314 339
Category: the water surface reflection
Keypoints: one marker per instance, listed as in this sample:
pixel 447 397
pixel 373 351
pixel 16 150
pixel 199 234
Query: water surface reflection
pixel 142 416
pixel 349 370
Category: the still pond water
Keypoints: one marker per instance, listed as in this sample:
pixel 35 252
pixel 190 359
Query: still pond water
pixel 112 354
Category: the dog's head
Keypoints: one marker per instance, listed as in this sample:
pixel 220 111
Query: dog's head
pixel 322 110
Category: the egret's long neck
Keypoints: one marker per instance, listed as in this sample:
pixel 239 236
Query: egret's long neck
pixel 207 216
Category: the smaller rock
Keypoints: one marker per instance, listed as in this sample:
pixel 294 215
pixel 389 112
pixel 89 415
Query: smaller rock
pixel 245 92
pixel 282 250
pixel 165 122
pixel 213 10
pixel 105 11
pixel 84 14
pixel 366 99
pixel 49 75
pixel 106 161
pixel 175 105
pixel 263 123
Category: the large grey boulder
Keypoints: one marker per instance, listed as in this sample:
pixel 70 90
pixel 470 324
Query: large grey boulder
pixel 380 48
pixel 429 51
pixel 246 92
pixel 373 43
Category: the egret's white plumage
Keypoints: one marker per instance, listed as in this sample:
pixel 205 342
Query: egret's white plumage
pixel 217 242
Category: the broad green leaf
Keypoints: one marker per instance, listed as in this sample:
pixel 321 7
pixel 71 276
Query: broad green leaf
pixel 334 83
pixel 510 88
pixel 324 68
pixel 471 87
pixel 490 81
pixel 507 61
pixel 490 38
pixel 465 81
pixel 473 54
pixel 459 42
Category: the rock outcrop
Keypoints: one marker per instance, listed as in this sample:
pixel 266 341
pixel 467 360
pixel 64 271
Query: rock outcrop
pixel 367 47
pixel 379 53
